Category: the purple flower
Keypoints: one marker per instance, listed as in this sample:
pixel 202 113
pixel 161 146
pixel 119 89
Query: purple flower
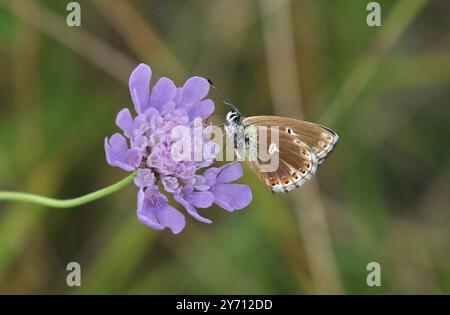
pixel 162 143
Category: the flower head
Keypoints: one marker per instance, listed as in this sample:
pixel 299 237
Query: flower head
pixel 162 143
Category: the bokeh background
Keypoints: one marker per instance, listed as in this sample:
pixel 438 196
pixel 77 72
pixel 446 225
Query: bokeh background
pixel 382 196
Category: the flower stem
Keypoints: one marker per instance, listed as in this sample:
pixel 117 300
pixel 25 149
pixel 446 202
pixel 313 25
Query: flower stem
pixel 66 203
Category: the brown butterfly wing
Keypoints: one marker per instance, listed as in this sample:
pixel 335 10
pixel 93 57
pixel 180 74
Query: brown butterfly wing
pixel 297 162
pixel 320 139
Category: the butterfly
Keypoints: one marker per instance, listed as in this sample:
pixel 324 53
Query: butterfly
pixel 300 146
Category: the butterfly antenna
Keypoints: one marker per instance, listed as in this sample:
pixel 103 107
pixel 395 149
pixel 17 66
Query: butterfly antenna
pixel 226 100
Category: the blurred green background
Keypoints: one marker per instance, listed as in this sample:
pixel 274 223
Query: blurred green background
pixel 382 196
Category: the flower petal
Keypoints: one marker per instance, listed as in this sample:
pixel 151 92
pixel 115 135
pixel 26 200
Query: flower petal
pixel 191 209
pixel 178 96
pixel 168 107
pixel 125 122
pixel 146 214
pixel 229 173
pixel 232 196
pixel 210 175
pixel 140 143
pixel 170 183
pixel 134 159
pixel 198 182
pixel 203 109
pixel 118 143
pixel 164 91
pixel 159 215
pixel 144 178
pixel 170 217
pixel 118 154
pixel 194 90
pixel 139 85
pixel 150 112
pixel 201 199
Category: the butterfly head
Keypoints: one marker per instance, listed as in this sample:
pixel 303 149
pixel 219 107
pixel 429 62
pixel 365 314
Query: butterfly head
pixel 233 117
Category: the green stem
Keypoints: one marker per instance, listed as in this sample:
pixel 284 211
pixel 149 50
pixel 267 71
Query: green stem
pixel 66 203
